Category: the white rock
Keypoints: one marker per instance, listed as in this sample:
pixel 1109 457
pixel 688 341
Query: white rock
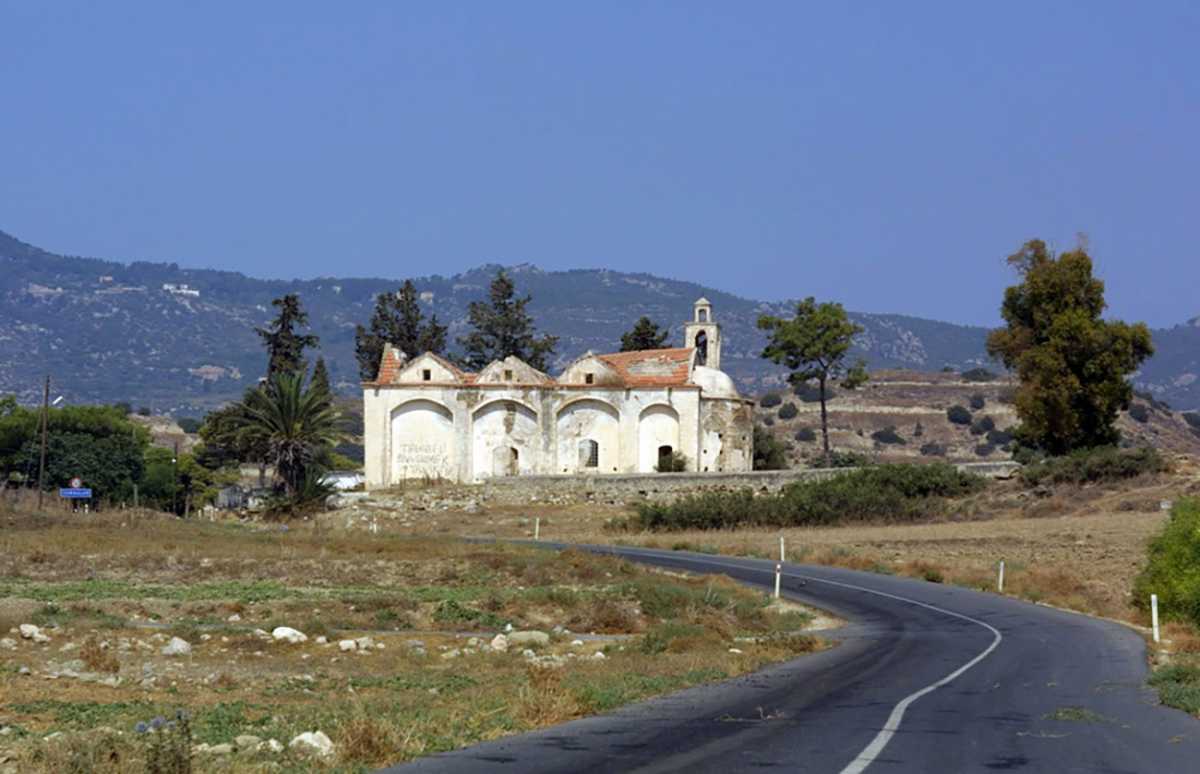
pixel 176 647
pixel 8 643
pixel 288 634
pixel 529 638
pixel 41 638
pixel 452 654
pixel 220 749
pixel 576 643
pixel 272 745
pixel 27 631
pixel 500 643
pixel 322 640
pixel 313 742
pixel 735 650
pixel 234 618
pixel 247 741
pixel 599 656
pixel 365 643
pixel 347 645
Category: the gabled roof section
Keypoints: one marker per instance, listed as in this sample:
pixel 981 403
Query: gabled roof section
pixel 653 367
pixel 511 370
pixel 394 370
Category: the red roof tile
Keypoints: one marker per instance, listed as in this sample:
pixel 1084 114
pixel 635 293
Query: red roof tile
pixel 652 367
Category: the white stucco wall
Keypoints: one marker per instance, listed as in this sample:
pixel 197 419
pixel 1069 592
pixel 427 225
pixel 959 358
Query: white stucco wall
pixel 588 419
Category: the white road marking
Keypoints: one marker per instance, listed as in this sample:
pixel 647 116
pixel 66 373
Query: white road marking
pixel 873 750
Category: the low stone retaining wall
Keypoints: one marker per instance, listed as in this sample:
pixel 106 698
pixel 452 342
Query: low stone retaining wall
pixel 615 489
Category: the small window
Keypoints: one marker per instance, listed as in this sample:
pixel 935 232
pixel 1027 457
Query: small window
pixel 589 454
pixel 702 314
pixel 589 378
pixel 426 375
pixel 508 376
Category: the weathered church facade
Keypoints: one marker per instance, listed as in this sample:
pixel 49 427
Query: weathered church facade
pixel 626 412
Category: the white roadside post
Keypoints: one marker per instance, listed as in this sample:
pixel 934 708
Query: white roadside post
pixel 537 528
pixel 1154 615
pixel 1000 581
pixel 778 576
pixel 782 555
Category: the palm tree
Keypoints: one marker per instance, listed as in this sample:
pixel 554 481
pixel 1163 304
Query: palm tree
pixel 294 425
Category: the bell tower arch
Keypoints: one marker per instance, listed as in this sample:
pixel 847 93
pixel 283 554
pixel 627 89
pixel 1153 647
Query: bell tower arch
pixel 704 335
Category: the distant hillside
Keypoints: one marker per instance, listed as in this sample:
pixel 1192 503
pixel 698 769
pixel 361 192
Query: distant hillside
pixel 108 331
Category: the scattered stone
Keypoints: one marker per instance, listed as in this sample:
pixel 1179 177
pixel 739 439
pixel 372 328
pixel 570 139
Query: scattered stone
pixel 452 654
pixel 234 618
pixel 28 631
pixel 347 645
pixel 576 643
pixel 23 670
pixel 735 650
pixel 314 743
pixel 70 646
pixel 288 634
pixel 599 656
pixel 177 647
pixel 8 643
pixel 247 742
pixel 365 643
pixel 500 643
pixel 271 745
pixel 220 749
pixel 205 637
pixel 322 640
pixel 529 638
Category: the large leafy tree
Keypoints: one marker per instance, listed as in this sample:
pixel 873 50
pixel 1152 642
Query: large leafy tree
pixel 397 320
pixel 814 345
pixel 503 327
pixel 285 345
pixel 645 335
pixel 294 425
pixel 1072 365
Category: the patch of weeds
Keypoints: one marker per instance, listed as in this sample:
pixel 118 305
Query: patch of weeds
pixel 1076 715
pixel 611 691
pixel 80 715
pixel 445 682
pixel 659 639
pixel 52 615
pixel 1178 686
pixel 451 611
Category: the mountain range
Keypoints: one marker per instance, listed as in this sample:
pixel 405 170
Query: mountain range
pixel 181 341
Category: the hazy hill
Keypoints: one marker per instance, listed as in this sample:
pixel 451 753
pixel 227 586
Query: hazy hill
pixel 108 331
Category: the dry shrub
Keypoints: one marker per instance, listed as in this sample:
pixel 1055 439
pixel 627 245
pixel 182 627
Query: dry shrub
pixel 97 659
pixel 225 682
pixel 608 616
pixel 1184 638
pixel 544 700
pixel 366 738
pixel 1053 506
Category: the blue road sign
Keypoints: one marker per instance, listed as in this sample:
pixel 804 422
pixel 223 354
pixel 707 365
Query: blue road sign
pixel 75 494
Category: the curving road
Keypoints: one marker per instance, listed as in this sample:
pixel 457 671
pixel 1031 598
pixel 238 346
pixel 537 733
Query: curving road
pixel 927 678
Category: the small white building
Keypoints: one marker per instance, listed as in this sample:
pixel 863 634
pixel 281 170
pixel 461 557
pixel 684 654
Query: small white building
pixel 617 413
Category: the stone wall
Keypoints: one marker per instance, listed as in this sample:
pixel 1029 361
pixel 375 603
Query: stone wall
pixel 617 489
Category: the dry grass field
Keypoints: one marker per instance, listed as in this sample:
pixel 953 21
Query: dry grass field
pixel 398 659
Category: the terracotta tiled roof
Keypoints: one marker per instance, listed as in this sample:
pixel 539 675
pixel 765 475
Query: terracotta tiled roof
pixel 652 367
pixel 390 366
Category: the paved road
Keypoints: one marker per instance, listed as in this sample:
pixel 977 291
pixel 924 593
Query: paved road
pixel 927 678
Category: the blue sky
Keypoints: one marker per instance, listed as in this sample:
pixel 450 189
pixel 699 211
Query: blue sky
pixel 887 155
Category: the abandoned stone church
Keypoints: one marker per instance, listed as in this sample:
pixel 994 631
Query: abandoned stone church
pixel 620 413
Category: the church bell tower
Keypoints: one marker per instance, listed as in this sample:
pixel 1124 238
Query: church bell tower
pixel 704 335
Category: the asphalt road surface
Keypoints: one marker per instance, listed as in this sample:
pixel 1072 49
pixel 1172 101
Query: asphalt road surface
pixel 926 678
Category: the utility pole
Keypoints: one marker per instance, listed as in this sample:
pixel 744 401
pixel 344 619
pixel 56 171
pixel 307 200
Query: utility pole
pixel 175 480
pixel 45 432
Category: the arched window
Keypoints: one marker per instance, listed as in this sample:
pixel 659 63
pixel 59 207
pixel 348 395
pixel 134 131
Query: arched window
pixel 701 348
pixel 701 315
pixel 589 454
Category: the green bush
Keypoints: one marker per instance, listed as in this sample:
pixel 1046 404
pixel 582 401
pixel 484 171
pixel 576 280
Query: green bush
pixel 676 463
pixel 770 400
pixel 770 453
pixel 788 411
pixel 842 459
pixel 1104 463
pixel 959 415
pixel 978 401
pixel 983 426
pixel 999 437
pixel 978 375
pixel 1173 567
pixel 918 430
pixel 1139 413
pixel 933 449
pixel 888 436
pixel 984 450
pixel 895 493
pixel 808 392
pixel 806 434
